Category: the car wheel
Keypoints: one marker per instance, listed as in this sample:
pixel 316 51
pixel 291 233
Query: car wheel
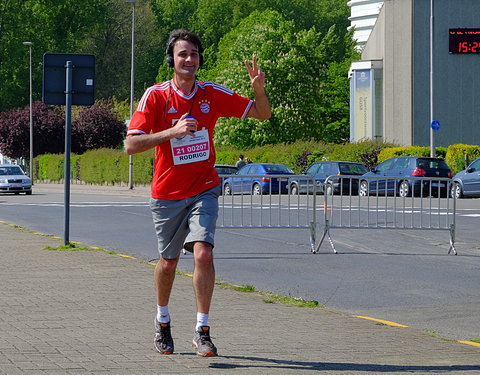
pixel 227 190
pixel 257 190
pixel 404 189
pixel 363 190
pixel 29 192
pixel 294 189
pixel 456 191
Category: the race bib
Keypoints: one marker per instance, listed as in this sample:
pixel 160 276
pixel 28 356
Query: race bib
pixel 190 149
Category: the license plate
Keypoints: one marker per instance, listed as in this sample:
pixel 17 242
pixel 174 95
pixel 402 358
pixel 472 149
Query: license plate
pixel 15 185
pixel 441 184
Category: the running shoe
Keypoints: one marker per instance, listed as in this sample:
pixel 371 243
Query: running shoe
pixel 163 338
pixel 203 343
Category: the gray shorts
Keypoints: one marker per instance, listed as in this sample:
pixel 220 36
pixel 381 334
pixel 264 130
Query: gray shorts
pixel 180 223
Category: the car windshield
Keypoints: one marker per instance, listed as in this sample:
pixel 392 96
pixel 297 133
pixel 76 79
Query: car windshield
pixel 353 169
pixel 432 164
pixel 277 169
pixel 4 171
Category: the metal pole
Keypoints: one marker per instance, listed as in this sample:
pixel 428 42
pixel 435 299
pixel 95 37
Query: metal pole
pixel 432 133
pixel 29 44
pixel 132 71
pixel 66 175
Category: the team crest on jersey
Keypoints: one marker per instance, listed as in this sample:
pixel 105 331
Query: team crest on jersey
pixel 204 106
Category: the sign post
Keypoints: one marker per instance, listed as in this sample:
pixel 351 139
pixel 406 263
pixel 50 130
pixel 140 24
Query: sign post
pixel 68 79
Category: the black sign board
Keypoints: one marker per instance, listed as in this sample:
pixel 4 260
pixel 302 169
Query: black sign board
pixel 54 78
pixel 464 41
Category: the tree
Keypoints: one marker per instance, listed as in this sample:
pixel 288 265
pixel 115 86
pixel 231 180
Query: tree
pixel 110 41
pixel 96 127
pixel 304 65
pixel 98 27
pixel 294 66
pixel 335 95
pixel 52 26
pixel 48 131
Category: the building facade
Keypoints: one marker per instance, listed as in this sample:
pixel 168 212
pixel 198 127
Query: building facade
pixel 363 15
pixel 400 102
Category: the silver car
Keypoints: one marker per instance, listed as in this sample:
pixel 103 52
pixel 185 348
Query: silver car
pixel 14 180
pixel 466 183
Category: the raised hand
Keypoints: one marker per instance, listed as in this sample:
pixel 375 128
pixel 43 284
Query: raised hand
pixel 257 77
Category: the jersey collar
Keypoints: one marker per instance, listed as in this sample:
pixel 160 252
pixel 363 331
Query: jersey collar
pixel 181 93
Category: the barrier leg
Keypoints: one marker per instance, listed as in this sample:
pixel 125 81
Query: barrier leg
pixel 452 240
pixel 312 236
pixel 326 232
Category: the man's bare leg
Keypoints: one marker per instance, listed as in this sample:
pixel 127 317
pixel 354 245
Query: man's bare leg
pixel 203 275
pixel 203 284
pixel 164 275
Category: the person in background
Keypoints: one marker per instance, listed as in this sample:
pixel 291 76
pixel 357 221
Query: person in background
pixel 240 162
pixel 177 118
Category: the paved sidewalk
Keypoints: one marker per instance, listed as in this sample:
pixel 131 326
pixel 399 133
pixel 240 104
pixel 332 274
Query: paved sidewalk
pixel 89 312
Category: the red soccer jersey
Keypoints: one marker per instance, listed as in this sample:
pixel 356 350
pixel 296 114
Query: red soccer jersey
pixel 185 167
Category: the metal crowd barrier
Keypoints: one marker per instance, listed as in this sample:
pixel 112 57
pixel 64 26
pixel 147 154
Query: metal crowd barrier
pixel 345 205
pixel 380 203
pixel 241 206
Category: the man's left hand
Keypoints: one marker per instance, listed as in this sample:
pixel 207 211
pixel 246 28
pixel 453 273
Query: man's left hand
pixel 257 77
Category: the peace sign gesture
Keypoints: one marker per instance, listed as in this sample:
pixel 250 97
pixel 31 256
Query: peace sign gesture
pixel 257 77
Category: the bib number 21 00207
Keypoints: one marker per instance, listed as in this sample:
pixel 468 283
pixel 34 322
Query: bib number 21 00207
pixel 190 149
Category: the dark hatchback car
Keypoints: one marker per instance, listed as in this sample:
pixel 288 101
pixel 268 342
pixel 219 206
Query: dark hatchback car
pixel 319 172
pixel 255 178
pixel 403 176
pixel 466 183
pixel 225 169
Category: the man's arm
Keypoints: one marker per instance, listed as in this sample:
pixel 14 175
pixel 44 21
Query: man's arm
pixel 261 106
pixel 136 143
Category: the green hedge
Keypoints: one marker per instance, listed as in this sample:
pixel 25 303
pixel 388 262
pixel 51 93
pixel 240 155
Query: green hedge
pixel 457 154
pixel 391 152
pixel 50 167
pixel 102 166
pixel 107 166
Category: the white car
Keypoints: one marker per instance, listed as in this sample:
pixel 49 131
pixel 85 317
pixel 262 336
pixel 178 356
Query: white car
pixel 14 180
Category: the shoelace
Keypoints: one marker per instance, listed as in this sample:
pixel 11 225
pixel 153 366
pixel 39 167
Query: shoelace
pixel 166 335
pixel 205 339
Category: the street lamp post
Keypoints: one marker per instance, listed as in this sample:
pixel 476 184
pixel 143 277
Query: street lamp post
pixel 132 71
pixel 29 44
pixel 432 132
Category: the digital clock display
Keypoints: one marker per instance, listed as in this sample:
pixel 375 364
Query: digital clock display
pixel 464 40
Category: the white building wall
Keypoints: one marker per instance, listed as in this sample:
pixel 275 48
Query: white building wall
pixel 363 16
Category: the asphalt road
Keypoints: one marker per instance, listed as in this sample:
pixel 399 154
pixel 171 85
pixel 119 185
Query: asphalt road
pixel 401 276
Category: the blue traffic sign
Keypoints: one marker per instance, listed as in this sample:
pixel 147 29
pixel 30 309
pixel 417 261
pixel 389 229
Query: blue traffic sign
pixel 435 125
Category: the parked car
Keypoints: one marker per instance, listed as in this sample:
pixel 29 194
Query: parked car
pixel 318 173
pixel 223 169
pixel 255 179
pixel 14 180
pixel 466 183
pixel 403 169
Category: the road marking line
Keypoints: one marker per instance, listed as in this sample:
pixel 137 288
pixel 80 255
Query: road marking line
pixel 386 322
pixel 472 343
pixel 125 256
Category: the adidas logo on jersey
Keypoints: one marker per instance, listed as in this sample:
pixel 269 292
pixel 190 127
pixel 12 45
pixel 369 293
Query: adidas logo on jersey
pixel 172 110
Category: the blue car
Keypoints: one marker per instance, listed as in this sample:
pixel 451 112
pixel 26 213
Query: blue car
pixel 404 176
pixel 258 178
pixel 466 183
